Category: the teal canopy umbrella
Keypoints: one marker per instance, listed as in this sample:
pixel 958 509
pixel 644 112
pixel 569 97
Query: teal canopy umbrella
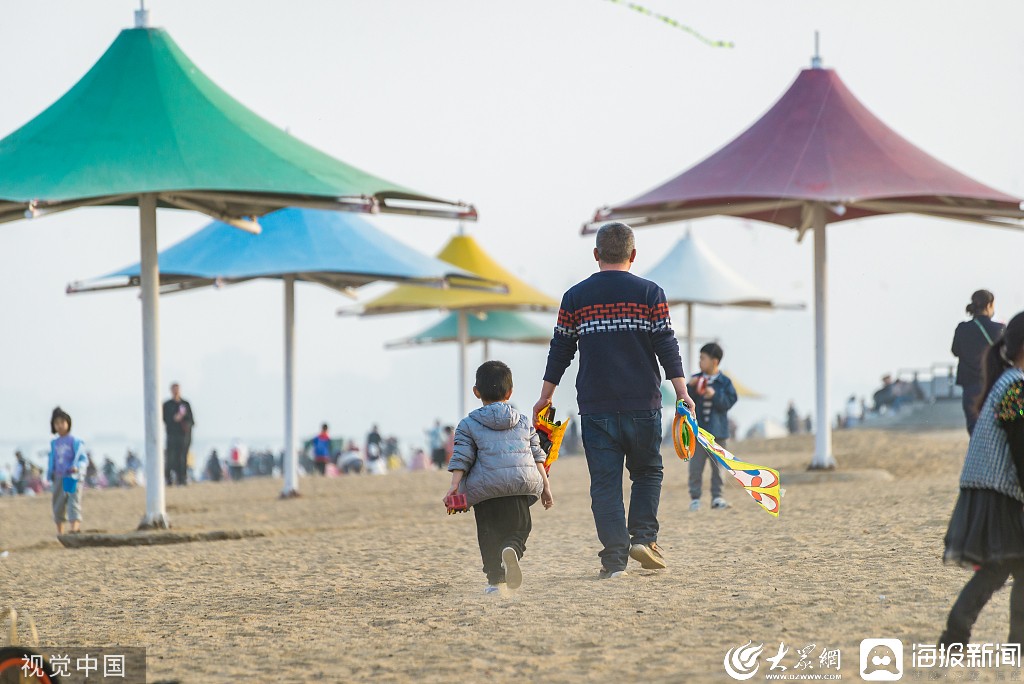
pixel 145 127
pixel 496 326
pixel 336 250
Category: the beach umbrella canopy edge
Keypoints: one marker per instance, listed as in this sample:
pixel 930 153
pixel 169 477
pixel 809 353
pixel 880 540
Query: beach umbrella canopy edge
pixel 335 249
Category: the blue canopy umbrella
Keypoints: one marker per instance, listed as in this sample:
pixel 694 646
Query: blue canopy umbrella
pixel 336 250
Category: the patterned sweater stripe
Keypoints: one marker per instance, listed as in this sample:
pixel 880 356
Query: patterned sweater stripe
pixel 621 326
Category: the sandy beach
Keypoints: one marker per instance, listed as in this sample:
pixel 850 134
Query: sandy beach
pixel 367 579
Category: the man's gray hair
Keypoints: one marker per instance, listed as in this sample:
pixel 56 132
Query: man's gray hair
pixel 615 243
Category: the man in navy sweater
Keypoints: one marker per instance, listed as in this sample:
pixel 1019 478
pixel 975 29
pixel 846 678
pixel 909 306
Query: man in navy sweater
pixel 620 323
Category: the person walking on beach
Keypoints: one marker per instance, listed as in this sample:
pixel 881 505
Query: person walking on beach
pixel 214 469
pixel 322 450
pixel 374 441
pixel 435 440
pixel 375 463
pixel 238 459
pixel 179 421
pixel 792 419
pixel 620 324
pixel 986 530
pixel 132 463
pixel 715 396
pixel 449 443
pixel 20 475
pixel 65 471
pixel 499 465
pixel 970 341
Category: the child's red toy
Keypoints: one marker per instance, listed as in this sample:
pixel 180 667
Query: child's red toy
pixel 456 503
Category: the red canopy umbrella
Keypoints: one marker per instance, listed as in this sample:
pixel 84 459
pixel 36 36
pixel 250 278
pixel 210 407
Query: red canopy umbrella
pixel 818 157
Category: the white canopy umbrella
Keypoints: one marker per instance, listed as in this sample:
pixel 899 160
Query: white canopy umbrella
pixel 692 274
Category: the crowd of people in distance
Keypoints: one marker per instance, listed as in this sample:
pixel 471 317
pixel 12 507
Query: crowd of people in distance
pixel 328 456
pixel 378 455
pixel 25 477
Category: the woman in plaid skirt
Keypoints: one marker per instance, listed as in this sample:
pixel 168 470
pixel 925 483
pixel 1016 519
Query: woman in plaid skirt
pixel 986 531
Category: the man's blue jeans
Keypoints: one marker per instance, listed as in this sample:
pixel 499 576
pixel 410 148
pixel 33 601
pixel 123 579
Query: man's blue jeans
pixel 611 439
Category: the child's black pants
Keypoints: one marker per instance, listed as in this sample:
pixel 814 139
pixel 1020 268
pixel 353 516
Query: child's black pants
pixel 501 522
pixel 986 580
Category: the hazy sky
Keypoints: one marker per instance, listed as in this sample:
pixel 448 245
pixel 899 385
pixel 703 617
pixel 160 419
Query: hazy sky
pixel 538 112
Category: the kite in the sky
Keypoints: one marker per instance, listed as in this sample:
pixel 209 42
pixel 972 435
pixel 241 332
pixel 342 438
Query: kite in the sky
pixel 760 482
pixel 675 24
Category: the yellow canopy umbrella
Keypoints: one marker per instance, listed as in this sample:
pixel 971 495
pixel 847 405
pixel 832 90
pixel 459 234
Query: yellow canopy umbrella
pixel 464 252
pixel 744 391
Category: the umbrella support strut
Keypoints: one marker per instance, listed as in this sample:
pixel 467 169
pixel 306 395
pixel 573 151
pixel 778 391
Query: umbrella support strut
pixel 291 456
pixel 823 459
pixel 156 510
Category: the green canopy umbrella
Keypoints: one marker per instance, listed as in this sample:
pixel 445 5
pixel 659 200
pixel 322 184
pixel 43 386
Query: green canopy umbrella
pixel 145 127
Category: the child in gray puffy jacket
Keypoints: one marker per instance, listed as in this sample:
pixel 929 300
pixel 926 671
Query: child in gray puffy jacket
pixel 499 465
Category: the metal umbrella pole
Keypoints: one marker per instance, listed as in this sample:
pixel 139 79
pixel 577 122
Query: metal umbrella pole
pixel 156 508
pixel 823 458
pixel 290 462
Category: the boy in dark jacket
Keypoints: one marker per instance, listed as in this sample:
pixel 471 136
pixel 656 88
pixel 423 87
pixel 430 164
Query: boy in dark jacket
pixel 499 465
pixel 714 395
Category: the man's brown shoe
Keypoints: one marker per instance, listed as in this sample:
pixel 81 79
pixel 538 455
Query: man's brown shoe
pixel 648 555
